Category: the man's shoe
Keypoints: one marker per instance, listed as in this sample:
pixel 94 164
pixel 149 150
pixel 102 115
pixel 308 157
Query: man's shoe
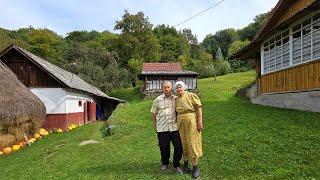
pixel 178 170
pixel 186 167
pixel 195 172
pixel 164 168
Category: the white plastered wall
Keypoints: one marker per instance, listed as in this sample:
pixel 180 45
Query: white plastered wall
pixel 54 99
pixel 72 101
pixel 61 101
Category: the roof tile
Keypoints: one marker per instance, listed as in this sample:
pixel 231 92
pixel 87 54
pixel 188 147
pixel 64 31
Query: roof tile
pixel 169 67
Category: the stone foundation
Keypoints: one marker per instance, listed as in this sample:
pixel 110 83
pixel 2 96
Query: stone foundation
pixel 305 101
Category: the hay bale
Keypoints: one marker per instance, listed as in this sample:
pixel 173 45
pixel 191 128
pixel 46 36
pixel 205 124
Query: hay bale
pixel 20 110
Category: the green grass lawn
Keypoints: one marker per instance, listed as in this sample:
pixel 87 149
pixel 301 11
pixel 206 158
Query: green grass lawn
pixel 240 140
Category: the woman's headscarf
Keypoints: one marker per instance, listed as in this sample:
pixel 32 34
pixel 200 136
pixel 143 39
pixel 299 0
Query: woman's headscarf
pixel 182 84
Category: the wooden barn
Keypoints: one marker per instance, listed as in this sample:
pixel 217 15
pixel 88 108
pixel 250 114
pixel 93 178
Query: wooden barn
pixel 286 51
pixel 153 75
pixel 68 99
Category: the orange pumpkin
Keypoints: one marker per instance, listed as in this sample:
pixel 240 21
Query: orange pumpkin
pixel 1 153
pixel 22 144
pixel 7 150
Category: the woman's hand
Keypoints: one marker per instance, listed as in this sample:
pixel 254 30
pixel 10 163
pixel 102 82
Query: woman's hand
pixel 200 127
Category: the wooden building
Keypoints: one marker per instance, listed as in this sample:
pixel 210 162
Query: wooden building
pixel 68 99
pixel 287 50
pixel 154 74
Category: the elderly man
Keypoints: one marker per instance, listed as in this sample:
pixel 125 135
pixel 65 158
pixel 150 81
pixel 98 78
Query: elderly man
pixel 165 123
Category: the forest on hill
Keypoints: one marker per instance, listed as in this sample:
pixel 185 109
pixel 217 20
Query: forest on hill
pixel 113 60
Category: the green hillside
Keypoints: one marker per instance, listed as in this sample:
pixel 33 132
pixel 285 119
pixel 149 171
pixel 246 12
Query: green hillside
pixel 241 140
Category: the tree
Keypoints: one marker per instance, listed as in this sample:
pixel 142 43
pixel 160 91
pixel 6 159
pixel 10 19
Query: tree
pixel 135 67
pixel 221 39
pixel 251 30
pixel 174 43
pixel 192 39
pixel 136 40
pixel 237 46
pixel 97 66
pixel 219 55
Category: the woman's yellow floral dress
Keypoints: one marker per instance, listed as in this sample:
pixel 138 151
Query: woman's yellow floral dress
pixel 187 124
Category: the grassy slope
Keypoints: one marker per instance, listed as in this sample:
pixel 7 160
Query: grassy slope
pixel 241 140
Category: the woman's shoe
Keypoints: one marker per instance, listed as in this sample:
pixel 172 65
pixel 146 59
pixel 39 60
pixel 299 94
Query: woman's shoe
pixel 196 172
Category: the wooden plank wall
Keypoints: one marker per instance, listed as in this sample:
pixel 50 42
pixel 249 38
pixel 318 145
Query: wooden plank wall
pixel 299 78
pixel 28 73
pixel 155 83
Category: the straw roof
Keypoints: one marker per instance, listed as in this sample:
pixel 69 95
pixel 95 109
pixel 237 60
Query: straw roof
pixel 20 110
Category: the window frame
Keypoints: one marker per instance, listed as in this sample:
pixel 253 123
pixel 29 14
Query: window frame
pixel 290 35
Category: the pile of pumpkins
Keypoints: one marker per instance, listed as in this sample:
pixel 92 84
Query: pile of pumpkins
pixel 72 126
pixel 42 132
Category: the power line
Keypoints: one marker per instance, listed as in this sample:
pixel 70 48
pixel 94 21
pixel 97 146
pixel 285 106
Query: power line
pixel 215 5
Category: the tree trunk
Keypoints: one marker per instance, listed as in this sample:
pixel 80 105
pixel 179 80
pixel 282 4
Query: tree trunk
pixel 134 81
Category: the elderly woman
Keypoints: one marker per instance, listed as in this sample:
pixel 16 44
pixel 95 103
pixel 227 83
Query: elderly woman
pixel 189 119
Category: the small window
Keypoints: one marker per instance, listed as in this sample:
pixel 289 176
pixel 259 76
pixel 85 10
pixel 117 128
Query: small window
pixel 306 30
pixel 316 17
pixel 271 46
pixel 285 40
pixel 306 22
pixel 286 33
pixel 79 103
pixel 316 25
pixel 297 35
pixel 271 41
pixel 296 28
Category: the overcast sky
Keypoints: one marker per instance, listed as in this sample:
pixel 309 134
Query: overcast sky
pixel 63 16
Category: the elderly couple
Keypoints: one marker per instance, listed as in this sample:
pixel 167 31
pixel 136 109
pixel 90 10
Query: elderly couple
pixel 178 119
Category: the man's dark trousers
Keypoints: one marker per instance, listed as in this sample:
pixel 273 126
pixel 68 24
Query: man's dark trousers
pixel 164 143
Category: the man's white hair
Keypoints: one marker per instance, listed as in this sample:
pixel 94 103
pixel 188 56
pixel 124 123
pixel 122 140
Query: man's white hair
pixel 167 83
